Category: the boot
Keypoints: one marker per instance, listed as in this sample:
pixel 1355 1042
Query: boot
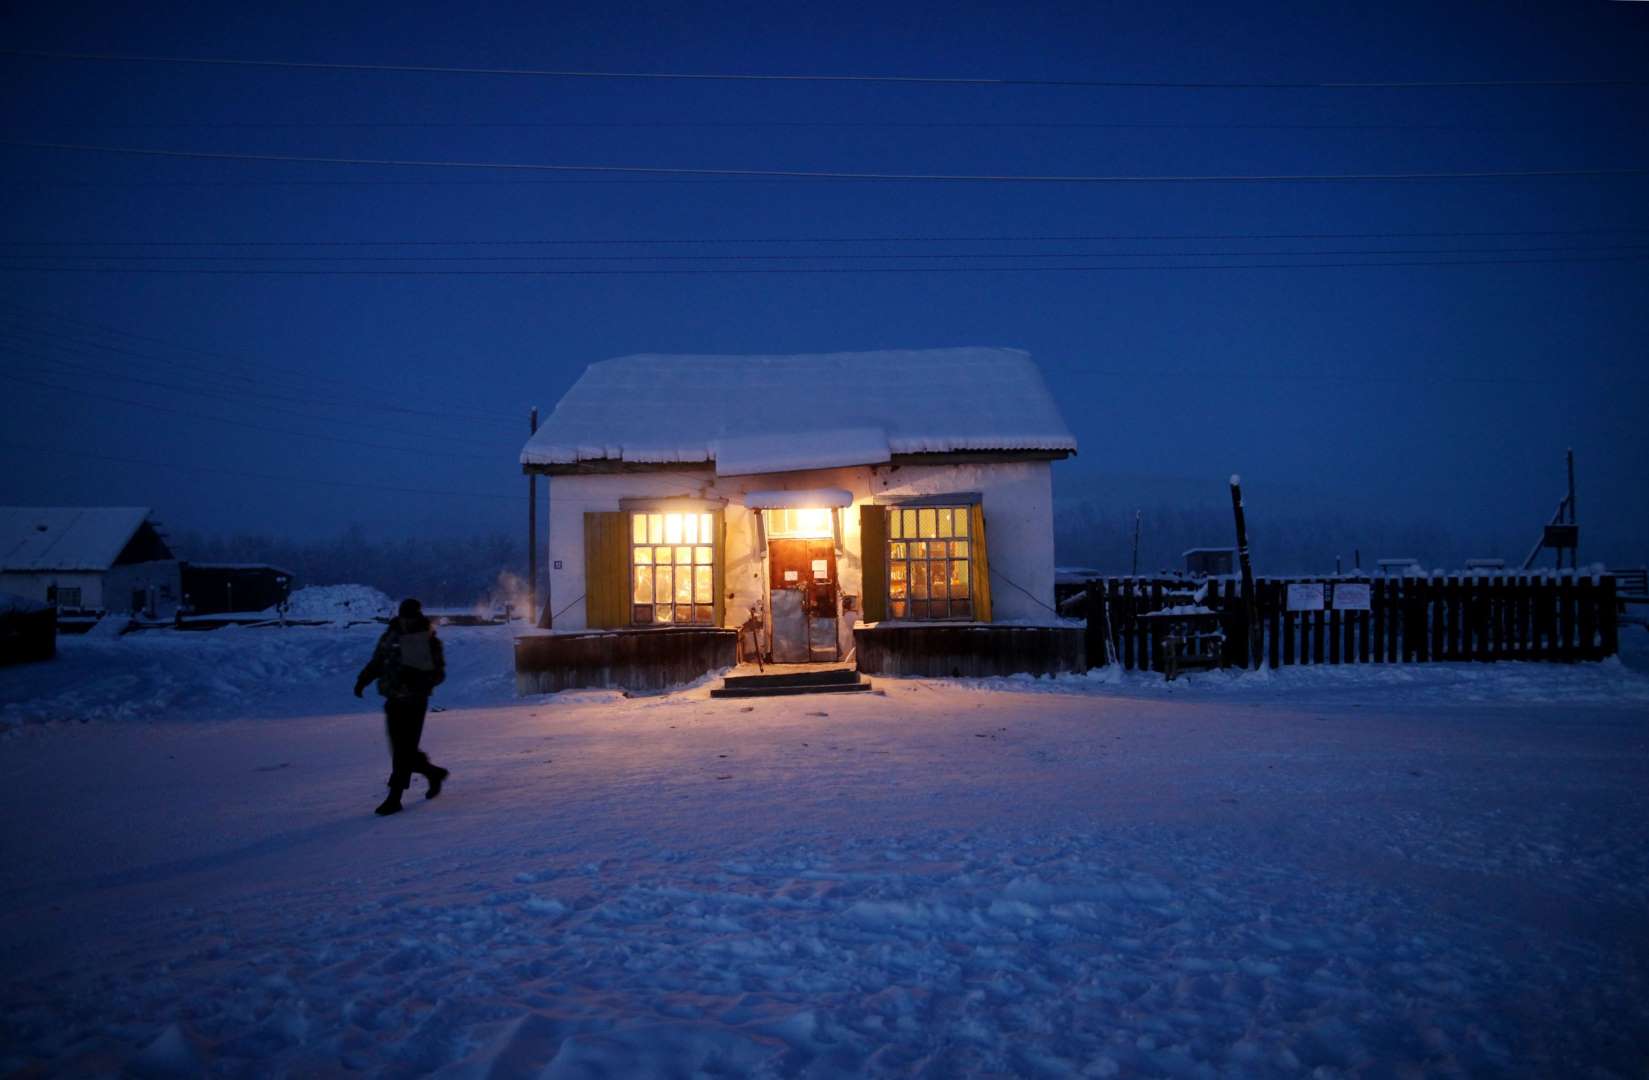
pixel 436 777
pixel 390 805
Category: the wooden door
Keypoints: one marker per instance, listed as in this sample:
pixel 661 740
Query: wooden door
pixel 802 584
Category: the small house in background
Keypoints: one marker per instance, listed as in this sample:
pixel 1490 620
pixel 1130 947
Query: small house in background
pixel 88 560
pixel 1210 562
pixel 220 588
pixel 893 508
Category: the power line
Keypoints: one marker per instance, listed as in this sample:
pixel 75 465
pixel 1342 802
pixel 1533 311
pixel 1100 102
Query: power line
pixel 700 271
pixel 246 424
pixel 833 174
pixel 802 256
pixel 221 390
pixel 58 452
pixel 920 80
pixel 998 238
pixel 1036 125
pixel 219 395
pixel 1394 380
pixel 478 414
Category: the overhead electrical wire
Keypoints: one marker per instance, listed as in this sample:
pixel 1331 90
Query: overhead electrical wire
pixel 84 369
pixel 802 256
pixel 288 433
pixel 798 77
pixel 789 270
pixel 895 239
pixel 53 451
pixel 473 415
pixel 844 175
pixel 732 125
pixel 251 393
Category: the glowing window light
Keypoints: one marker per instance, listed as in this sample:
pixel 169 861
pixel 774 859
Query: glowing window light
pixel 813 521
pixel 672 568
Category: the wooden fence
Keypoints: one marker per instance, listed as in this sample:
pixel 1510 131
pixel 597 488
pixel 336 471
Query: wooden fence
pixel 1560 616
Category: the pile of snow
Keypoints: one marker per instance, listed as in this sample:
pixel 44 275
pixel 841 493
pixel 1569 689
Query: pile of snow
pixel 237 672
pixel 338 603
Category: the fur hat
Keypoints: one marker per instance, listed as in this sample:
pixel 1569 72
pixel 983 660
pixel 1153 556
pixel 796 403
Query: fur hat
pixel 411 609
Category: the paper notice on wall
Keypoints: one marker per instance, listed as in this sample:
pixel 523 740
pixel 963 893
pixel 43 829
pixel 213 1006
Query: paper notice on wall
pixel 1350 597
pixel 821 570
pixel 792 575
pixel 1305 597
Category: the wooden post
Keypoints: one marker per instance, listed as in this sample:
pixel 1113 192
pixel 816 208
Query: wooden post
pixel 1377 604
pixel 1135 571
pixel 532 530
pixel 1250 651
pixel 1574 552
pixel 1608 628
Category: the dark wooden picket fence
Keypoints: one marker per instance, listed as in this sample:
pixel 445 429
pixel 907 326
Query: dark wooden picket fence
pixel 1560 616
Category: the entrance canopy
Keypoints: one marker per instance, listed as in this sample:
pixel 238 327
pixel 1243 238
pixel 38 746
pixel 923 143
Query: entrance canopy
pixel 813 498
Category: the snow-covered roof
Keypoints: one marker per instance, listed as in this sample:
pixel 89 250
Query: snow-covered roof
pixel 784 413
pixel 66 537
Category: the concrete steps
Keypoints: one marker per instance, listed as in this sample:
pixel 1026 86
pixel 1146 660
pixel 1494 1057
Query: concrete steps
pixel 825 681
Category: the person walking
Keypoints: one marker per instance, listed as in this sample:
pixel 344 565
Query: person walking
pixel 408 664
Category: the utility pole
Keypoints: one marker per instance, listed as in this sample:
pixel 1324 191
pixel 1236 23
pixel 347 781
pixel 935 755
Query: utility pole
pixel 1574 552
pixel 1135 571
pixel 1251 647
pixel 532 529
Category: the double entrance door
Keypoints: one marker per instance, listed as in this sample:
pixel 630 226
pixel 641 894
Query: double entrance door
pixel 805 601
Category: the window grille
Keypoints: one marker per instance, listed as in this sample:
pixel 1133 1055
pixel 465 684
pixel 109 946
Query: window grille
pixel 672 564
pixel 930 563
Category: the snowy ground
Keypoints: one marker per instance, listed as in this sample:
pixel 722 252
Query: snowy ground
pixel 1308 873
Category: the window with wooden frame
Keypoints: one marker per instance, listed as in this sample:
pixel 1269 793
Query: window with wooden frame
pixel 930 563
pixel 672 568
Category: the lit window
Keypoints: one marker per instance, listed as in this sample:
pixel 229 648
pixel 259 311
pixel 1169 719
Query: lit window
pixel 672 569
pixel 801 524
pixel 929 563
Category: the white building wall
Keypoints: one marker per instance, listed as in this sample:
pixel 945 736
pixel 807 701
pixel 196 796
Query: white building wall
pixel 1017 500
pixel 33 585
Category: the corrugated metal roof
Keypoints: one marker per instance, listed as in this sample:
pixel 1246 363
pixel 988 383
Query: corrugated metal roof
pixel 659 408
pixel 66 537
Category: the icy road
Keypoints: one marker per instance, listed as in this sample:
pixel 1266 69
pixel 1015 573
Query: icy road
pixel 1311 873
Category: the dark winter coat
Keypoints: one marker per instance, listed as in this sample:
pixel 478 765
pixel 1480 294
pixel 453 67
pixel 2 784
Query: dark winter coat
pixel 408 661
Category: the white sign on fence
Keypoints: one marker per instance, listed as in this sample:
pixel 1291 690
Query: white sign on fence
pixel 1306 597
pixel 1351 597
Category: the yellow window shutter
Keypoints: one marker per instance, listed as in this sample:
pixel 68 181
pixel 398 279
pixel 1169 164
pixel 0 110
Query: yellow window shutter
pixel 718 574
pixel 981 565
pixel 873 560
pixel 606 570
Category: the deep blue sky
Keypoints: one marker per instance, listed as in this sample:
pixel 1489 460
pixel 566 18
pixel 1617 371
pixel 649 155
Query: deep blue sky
pixel 1445 393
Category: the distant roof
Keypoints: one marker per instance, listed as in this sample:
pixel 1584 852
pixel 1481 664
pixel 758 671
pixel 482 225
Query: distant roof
pixel 66 537
pixel 784 413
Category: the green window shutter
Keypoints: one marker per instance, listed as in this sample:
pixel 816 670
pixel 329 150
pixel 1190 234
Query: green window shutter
pixel 718 529
pixel 873 560
pixel 606 570
pixel 981 565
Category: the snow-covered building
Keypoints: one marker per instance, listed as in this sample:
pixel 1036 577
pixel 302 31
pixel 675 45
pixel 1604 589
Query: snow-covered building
pixel 88 559
pixel 829 497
